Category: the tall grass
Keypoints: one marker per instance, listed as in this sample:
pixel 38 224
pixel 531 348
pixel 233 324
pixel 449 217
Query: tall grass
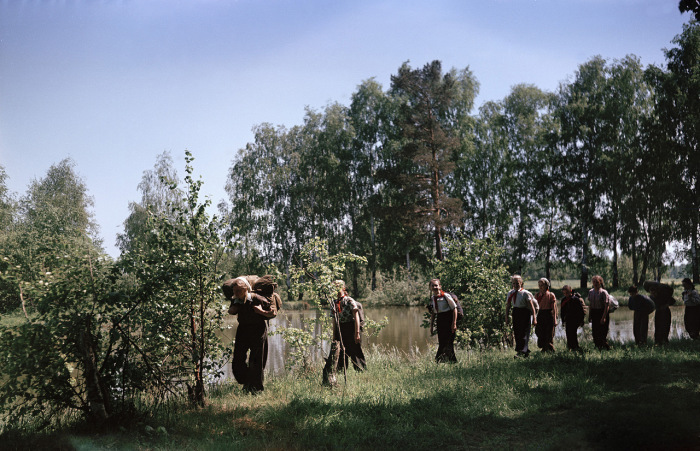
pixel 628 398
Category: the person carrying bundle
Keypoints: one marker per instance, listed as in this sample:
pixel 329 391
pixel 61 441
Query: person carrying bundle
pixel 251 336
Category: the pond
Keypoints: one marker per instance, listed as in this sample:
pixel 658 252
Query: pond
pixel 405 334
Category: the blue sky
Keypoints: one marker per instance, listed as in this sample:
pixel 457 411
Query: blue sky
pixel 113 84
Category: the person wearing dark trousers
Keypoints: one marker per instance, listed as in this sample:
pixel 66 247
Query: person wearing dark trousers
pixel 642 307
pixel 662 295
pixel 691 300
pixel 522 305
pixel 547 317
pixel 600 320
pixel 573 313
pixel 443 317
pixel 250 348
pixel 347 330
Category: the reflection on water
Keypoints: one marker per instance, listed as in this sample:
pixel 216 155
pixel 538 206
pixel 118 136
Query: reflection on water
pixel 405 334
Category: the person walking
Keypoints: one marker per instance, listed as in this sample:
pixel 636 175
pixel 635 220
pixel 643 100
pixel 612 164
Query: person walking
pixel 573 313
pixel 522 304
pixel 251 336
pixel 691 300
pixel 347 329
pixel 547 316
pixel 599 302
pixel 443 319
pixel 662 295
pixel 642 307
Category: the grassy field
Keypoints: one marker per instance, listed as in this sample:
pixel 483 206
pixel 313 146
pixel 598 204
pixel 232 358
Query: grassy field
pixel 627 398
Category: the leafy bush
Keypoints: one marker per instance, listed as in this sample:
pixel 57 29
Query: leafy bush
pixel 473 269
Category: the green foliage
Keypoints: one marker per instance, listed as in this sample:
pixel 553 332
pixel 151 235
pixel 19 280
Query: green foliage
pixel 59 359
pixel 315 277
pixel 399 287
pixel 473 269
pixel 317 271
pixel 178 306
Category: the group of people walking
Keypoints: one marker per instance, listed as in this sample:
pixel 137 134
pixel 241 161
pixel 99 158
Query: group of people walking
pixel 541 310
pixel 255 301
pixel 523 310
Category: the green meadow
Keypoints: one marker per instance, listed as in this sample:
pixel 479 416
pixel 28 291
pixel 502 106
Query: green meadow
pixel 626 398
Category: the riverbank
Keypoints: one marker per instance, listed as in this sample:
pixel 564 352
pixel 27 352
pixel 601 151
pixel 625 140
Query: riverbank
pixel 626 398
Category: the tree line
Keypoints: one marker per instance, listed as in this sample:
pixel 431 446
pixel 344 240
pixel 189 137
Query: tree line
pixel 605 168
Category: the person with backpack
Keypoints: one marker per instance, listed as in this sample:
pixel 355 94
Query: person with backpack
pixel 642 307
pixel 347 328
pixel 251 335
pixel 662 295
pixel 524 308
pixel 547 316
pixel 573 314
pixel 599 303
pixel 691 300
pixel 443 319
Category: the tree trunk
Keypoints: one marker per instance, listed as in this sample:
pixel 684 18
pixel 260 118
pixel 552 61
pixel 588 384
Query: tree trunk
pixel 584 260
pixel 374 254
pixel 615 273
pixel 438 243
pixel 408 266
pixel 635 263
pixel 695 259
pixel 97 403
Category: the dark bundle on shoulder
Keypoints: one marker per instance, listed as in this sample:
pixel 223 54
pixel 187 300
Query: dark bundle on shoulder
pixel 265 286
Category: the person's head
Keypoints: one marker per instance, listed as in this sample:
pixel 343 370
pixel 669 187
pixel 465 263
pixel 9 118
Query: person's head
pixel 567 290
pixel 516 282
pixel 435 286
pixel 340 286
pixel 543 283
pixel 632 290
pixel 597 282
pixel 240 287
pixel 688 284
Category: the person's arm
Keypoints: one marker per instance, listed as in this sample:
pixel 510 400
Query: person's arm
pixel 233 310
pixel 432 321
pixel 556 316
pixel 508 310
pixel 454 320
pixel 534 311
pixel 266 313
pixel 356 314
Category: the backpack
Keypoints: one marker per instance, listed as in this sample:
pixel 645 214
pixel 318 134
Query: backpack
pixel 265 286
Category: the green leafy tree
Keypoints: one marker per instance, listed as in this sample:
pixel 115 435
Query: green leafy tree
pixel 156 195
pixel 473 269
pixel 9 293
pixel 178 307
pixel 583 135
pixel 678 106
pixel 60 359
pixel 431 106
